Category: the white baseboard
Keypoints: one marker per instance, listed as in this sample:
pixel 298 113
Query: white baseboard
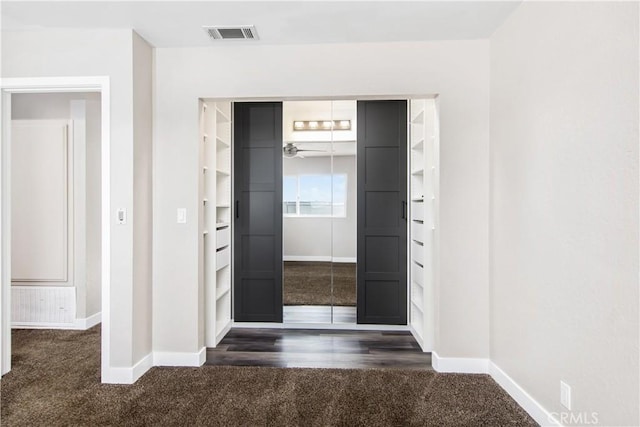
pixel 140 368
pixel 306 258
pixel 167 358
pixel 319 258
pixel 116 375
pixel 524 399
pixel 345 259
pixel 88 322
pixel 220 335
pixel 485 366
pixel 329 326
pixel 77 325
pixel 460 365
pixel 419 339
pixel 41 325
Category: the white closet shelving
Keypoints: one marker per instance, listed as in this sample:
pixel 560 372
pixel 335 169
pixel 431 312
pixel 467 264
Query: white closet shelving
pixel 424 155
pixel 215 129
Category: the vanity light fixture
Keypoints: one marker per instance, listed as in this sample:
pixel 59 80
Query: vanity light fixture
pixel 303 125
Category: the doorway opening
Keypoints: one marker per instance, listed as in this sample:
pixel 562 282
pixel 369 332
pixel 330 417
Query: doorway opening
pixel 290 184
pixel 54 206
pixel 55 210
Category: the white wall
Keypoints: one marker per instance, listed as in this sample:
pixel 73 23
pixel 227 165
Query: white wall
pixel 142 195
pixel 57 106
pixel 62 52
pixel 457 70
pixel 322 238
pixel 564 205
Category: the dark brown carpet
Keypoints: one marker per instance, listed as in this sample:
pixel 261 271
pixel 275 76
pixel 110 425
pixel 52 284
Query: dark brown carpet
pixel 56 374
pixel 309 283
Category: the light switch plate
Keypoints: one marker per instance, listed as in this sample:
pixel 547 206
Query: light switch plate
pixel 565 395
pixel 121 216
pixel 182 216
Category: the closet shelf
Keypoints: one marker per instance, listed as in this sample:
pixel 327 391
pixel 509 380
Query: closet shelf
pixel 418 119
pixel 418 145
pixel 220 292
pixel 417 306
pixel 222 143
pixel 216 166
pixel 221 117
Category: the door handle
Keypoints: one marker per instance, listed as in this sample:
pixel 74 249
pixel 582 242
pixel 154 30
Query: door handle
pixel 237 209
pixel 404 210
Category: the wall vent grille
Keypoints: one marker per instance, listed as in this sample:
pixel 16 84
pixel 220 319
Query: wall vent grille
pixel 42 306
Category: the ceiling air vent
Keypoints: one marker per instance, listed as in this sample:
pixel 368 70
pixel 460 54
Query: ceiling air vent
pixel 240 32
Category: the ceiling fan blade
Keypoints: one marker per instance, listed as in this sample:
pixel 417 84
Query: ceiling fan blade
pixel 322 151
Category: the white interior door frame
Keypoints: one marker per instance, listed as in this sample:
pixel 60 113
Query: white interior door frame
pixel 8 86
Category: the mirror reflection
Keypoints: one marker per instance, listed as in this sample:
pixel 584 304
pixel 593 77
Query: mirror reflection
pixel 319 211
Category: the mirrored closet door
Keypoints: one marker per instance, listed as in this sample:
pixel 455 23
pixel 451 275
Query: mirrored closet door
pixel 319 211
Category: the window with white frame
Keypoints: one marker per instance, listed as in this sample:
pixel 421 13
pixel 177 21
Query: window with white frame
pixel 311 195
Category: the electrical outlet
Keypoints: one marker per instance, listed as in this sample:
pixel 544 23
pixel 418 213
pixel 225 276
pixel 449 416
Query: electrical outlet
pixel 565 395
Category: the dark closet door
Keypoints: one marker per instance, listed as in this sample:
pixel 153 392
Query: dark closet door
pixel 258 212
pixel 382 212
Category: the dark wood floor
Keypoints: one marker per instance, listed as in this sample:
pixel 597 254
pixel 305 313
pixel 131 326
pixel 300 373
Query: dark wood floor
pixel 304 348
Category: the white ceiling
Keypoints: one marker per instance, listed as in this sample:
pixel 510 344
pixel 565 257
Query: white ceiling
pixel 179 23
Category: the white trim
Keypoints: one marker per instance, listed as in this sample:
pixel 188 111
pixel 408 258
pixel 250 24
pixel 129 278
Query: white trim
pixel 140 368
pixel 5 235
pixel 460 365
pixel 418 338
pixel 43 325
pixel 319 258
pixel 117 376
pixel 220 335
pixel 168 358
pixel 105 182
pixel 485 366
pixel 88 322
pixel 77 325
pixel 312 258
pixel 128 375
pixel 345 259
pixel 51 85
pixel 329 326
pixel 78 124
pixel 524 399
